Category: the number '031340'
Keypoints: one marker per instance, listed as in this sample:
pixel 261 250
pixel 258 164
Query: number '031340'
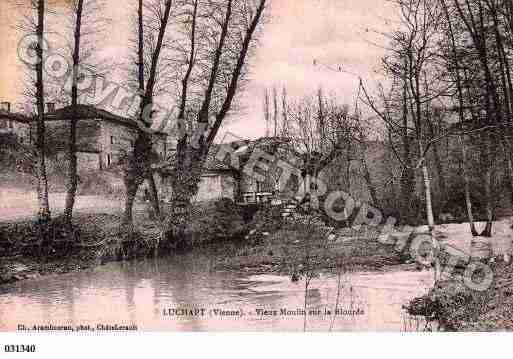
pixel 20 348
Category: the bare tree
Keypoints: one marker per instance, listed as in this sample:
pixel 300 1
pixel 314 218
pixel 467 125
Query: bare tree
pixel 327 137
pixel 34 23
pixel 44 206
pixel 267 113
pixel 138 167
pixel 87 20
pixel 276 112
pixel 454 68
pixel 479 19
pixel 411 59
pixel 235 25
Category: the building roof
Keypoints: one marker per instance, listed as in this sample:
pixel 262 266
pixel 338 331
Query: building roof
pixel 243 149
pixel 16 117
pixel 83 112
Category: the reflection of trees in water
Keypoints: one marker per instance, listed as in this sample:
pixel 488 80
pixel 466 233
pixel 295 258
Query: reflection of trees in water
pixel 70 303
pixel 52 300
pixel 185 287
pixel 176 284
pixel 344 297
pixel 154 283
pixel 130 280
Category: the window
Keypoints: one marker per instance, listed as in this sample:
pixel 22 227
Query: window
pixel 108 160
pixel 111 140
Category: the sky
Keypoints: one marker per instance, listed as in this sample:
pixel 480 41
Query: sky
pixel 302 46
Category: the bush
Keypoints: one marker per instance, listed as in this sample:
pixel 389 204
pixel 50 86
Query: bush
pixel 52 240
pixel 455 203
pixel 98 183
pixel 268 218
pixel 216 220
pixel 249 211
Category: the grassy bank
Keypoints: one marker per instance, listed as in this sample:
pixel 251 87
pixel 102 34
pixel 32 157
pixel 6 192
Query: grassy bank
pixel 458 308
pixel 266 244
pixel 305 245
pixel 94 239
pixel 289 250
pixel 102 237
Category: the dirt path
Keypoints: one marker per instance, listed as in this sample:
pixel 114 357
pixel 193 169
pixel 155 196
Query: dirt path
pixel 17 204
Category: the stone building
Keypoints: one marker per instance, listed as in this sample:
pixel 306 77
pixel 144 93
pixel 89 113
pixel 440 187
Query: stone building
pixel 221 180
pixel 20 127
pixel 100 143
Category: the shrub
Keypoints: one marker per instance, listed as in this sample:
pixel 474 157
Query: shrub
pixel 216 220
pixel 268 218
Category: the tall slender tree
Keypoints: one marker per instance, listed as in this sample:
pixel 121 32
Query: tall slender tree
pixel 42 179
pixel 138 167
pixel 77 9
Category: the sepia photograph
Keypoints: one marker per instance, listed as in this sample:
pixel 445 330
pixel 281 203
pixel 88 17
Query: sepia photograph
pixel 255 166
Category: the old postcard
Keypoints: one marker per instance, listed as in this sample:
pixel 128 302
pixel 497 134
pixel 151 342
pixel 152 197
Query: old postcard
pixel 255 166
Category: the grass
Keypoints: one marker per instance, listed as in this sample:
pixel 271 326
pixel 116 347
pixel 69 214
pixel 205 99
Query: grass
pixel 96 238
pixel 459 308
pixel 288 246
pixel 297 248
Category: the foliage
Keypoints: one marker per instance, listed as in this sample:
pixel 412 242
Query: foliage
pixel 217 220
pixel 13 155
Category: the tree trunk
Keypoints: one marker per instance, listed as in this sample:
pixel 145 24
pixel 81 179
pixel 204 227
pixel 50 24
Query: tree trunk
pixel 438 165
pixel 489 200
pixel 132 185
pixel 468 200
pixel 431 218
pixel 138 166
pixel 427 192
pixel 370 184
pixel 154 196
pixel 509 166
pixel 136 172
pixel 408 175
pixel 42 180
pixel 185 183
pixel 72 149
pixel 459 86
pixel 429 202
pixel 72 180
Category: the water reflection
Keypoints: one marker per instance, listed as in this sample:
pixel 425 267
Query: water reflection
pixel 139 292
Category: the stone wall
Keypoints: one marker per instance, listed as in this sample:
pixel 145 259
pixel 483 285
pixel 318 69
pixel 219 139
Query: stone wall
pixel 215 186
pixel 21 130
pixel 101 144
pixel 87 161
pixel 114 142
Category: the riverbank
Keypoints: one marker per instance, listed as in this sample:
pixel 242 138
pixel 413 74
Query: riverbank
pixel 458 308
pixel 95 239
pixel 455 306
pixel 289 250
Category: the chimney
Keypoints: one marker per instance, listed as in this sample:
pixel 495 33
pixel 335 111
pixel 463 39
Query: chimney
pixel 5 106
pixel 50 107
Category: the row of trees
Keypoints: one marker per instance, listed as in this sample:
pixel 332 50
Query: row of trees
pixel 331 142
pixel 443 116
pixel 446 105
pixel 189 54
pixel 448 66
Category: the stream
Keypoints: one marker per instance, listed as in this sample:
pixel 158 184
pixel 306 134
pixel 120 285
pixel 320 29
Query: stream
pixel 182 293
